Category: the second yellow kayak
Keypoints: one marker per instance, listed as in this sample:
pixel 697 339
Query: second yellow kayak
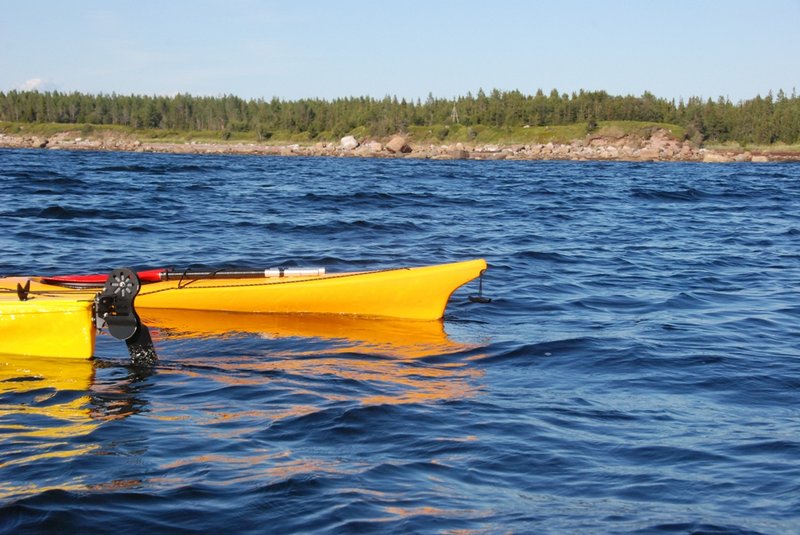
pixel 47 326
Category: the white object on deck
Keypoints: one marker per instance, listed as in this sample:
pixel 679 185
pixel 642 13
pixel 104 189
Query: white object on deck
pixel 294 272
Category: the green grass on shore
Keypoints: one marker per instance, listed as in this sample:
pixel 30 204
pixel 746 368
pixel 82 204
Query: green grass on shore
pixel 94 131
pixel 537 134
pixel 752 147
pixel 436 134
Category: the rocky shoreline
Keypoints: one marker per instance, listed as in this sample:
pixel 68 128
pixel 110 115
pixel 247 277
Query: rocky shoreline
pixel 660 146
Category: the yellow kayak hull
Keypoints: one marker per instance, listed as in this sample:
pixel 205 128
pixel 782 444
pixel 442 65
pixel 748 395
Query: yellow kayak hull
pixel 46 326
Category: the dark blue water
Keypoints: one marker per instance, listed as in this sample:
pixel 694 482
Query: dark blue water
pixel 637 371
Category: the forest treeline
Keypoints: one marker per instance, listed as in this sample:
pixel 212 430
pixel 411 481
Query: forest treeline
pixel 760 120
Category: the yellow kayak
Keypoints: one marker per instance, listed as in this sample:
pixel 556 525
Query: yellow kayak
pixel 57 319
pixel 419 293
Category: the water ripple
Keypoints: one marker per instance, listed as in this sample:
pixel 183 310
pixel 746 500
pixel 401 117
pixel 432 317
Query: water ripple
pixel 637 370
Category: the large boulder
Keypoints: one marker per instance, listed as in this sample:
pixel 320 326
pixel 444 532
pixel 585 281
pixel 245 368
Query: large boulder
pixel 374 146
pixel 398 144
pixel 348 143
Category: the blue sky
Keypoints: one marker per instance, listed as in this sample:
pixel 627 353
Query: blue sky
pixel 339 48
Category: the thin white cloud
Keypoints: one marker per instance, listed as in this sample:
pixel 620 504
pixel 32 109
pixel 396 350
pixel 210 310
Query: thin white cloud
pixel 36 84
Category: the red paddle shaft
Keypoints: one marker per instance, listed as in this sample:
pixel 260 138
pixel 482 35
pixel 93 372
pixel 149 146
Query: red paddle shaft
pixel 162 274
